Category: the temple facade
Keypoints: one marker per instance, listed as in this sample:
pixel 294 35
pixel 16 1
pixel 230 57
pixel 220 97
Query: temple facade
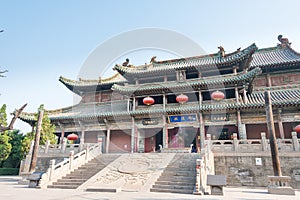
pixel 176 103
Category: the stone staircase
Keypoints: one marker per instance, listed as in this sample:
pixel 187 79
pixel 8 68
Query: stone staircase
pixel 179 176
pixel 83 173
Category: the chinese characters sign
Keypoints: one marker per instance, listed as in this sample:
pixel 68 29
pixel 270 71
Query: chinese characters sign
pixel 182 118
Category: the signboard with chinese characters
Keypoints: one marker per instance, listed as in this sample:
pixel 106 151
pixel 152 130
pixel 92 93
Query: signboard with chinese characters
pixel 182 118
pixel 219 117
pixel 149 122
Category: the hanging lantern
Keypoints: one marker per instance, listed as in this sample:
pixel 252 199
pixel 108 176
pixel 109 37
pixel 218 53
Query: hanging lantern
pixel 297 128
pixel 217 95
pixel 72 136
pixel 148 100
pixel 182 98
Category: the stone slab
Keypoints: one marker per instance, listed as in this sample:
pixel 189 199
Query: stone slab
pixel 281 190
pixel 102 189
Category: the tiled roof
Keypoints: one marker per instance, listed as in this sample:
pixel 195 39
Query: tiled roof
pixel 154 88
pixel 198 62
pixel 275 57
pixel 280 98
pixel 82 85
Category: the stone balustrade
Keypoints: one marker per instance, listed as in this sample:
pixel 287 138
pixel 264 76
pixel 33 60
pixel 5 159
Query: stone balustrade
pixel 204 167
pixel 56 171
pixel 255 145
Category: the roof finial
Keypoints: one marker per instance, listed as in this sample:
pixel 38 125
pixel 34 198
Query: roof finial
pixel 153 59
pixel 221 51
pixel 284 41
pixel 125 64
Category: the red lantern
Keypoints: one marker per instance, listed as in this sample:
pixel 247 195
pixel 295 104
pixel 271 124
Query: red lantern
pixel 72 137
pixel 148 100
pixel 297 129
pixel 182 98
pixel 217 95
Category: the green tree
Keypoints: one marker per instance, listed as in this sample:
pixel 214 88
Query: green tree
pixel 16 155
pixel 5 146
pixel 47 133
pixel 3 115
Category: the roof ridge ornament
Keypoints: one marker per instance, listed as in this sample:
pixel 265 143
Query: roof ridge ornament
pixel 221 51
pixel 284 42
pixel 153 59
pixel 125 64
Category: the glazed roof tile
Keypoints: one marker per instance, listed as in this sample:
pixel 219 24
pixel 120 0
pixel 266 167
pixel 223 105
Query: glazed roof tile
pixel 197 62
pixel 152 88
pixel 83 85
pixel 280 98
pixel 275 57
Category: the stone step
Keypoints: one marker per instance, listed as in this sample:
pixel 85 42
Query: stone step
pixel 192 168
pixel 77 177
pixel 176 187
pixel 180 173
pixel 68 183
pixel 189 183
pixel 70 180
pixel 171 191
pixel 63 186
pixel 177 179
pixel 83 173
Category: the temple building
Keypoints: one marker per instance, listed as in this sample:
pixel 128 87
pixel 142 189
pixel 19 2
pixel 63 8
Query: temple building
pixel 176 103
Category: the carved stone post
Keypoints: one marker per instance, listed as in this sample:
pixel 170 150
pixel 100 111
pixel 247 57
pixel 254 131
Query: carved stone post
pixel 295 141
pixel 235 142
pixel 71 158
pixel 51 167
pixel 198 178
pixel 280 124
pixel 264 144
pixel 47 146
pixel 63 146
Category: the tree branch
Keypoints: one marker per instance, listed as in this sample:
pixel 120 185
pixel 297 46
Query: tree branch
pixel 13 120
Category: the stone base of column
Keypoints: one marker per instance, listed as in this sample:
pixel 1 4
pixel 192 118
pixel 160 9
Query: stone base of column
pixel 280 185
pixel 24 178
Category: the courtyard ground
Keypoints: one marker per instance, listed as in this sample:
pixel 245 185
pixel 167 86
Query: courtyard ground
pixel 10 190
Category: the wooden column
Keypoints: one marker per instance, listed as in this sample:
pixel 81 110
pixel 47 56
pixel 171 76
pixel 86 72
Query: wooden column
pixel 201 130
pixel 234 69
pixel 82 137
pixel 128 104
pixel 165 78
pixel 272 137
pixel 62 135
pixel 164 101
pixel 201 122
pixel 165 133
pixel 133 103
pixel 132 146
pixel 280 124
pixel 241 126
pixel 36 141
pixel 107 140
pixel 268 80
pixel 245 94
pixel 236 93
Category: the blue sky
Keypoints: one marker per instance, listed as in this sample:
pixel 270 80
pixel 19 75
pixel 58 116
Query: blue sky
pixel 43 40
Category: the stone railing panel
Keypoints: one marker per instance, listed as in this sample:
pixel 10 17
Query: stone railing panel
pixel 56 171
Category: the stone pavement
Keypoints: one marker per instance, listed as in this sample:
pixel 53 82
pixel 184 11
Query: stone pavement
pixel 10 190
